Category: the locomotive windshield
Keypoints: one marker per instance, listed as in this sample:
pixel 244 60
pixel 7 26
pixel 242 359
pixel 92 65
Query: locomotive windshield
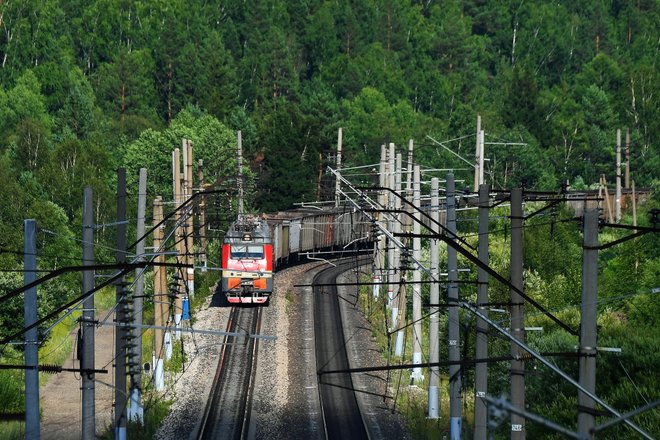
pixel 239 251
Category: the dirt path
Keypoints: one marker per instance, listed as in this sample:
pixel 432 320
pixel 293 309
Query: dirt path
pixel 61 399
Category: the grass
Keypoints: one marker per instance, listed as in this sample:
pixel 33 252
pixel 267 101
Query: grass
pixel 410 401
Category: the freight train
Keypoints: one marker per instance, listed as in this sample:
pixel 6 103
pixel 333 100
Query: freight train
pixel 256 246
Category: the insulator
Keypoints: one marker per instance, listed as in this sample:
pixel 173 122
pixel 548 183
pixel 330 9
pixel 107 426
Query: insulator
pixel 49 368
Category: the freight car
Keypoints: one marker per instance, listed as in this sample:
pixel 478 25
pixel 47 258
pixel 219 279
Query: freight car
pixel 254 247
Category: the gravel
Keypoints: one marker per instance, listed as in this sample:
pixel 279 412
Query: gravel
pixel 286 402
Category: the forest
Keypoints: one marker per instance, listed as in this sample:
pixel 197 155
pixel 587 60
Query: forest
pixel 87 86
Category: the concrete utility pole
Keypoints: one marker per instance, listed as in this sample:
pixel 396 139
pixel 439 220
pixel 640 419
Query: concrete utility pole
pixel 517 315
pixel 121 312
pixel 481 349
pixel 32 430
pixel 405 226
pixel 417 279
pixel 617 199
pixel 409 176
pixel 384 254
pixel 190 247
pixel 382 240
pixel 178 235
pixel 477 153
pixel 453 332
pixel 239 142
pixel 160 299
pixel 482 142
pixel 588 338
pixel 338 166
pixel 391 286
pixel 136 411
pixel 397 255
pixel 203 230
pixel 87 357
pixel 434 309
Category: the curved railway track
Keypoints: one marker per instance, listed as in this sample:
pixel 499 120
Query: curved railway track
pixel 341 412
pixel 228 409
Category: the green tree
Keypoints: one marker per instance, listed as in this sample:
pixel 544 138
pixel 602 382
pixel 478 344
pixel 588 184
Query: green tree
pixel 218 93
pixel 212 141
pixel 601 122
pixel 371 121
pixel 78 114
pixel 125 87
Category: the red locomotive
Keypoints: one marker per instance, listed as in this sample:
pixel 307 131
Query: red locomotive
pixel 254 247
pixel 247 262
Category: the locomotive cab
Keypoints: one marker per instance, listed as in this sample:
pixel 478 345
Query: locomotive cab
pixel 247 263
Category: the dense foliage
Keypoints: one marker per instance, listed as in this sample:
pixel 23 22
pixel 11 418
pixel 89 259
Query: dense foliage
pixel 89 86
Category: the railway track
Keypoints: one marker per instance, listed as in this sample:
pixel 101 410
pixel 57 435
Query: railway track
pixel 227 414
pixel 341 413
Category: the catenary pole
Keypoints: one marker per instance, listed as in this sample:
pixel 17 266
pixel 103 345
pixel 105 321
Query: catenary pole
pixel 178 235
pixel 87 360
pixel 404 227
pixel 391 282
pixel 477 153
pixel 190 247
pixel 32 335
pixel 203 230
pixel 588 337
pixel 239 151
pixel 482 143
pixel 417 278
pixel 434 310
pixel 397 252
pixel 120 313
pixel 160 299
pixel 453 331
pixel 382 240
pixel 136 412
pixel 517 366
pixel 338 167
pixel 481 343
pixel 403 289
